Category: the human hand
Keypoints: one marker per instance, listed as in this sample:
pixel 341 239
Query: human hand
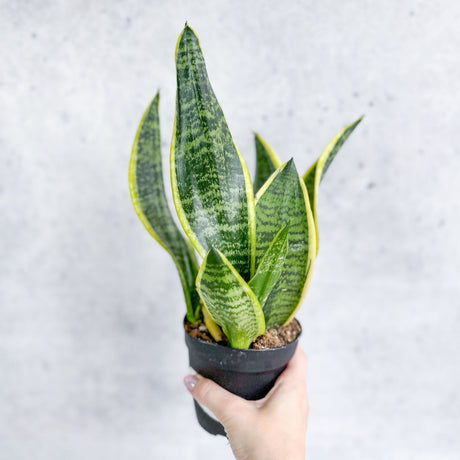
pixel 272 428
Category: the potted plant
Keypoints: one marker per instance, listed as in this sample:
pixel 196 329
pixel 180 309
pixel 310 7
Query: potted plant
pixel 258 251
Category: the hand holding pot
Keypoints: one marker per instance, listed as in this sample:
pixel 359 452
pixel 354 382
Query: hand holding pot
pixel 270 428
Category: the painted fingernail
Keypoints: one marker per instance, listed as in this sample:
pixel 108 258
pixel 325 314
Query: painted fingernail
pixel 190 381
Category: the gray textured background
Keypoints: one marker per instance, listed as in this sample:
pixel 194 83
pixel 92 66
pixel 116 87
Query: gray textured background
pixel 91 349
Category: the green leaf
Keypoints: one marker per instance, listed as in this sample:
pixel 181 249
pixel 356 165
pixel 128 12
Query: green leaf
pixel 315 174
pixel 283 199
pixel 212 188
pixel 229 300
pixel 267 161
pixel 270 267
pixel 149 199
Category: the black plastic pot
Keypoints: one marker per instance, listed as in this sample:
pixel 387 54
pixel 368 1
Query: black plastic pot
pixel 247 373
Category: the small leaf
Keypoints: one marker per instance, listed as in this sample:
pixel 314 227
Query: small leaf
pixel 283 199
pixel 212 189
pixel 270 267
pixel 213 327
pixel 149 200
pixel 229 300
pixel 267 161
pixel 315 174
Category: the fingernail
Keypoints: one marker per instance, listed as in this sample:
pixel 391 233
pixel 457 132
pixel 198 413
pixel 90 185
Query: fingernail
pixel 190 381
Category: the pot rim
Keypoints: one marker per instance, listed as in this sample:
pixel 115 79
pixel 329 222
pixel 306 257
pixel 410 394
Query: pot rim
pixel 246 350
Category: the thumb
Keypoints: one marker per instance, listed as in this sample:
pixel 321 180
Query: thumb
pixel 221 402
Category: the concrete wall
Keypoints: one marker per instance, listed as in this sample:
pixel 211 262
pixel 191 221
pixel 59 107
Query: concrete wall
pixel 91 348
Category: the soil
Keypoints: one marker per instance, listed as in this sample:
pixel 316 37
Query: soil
pixel 277 336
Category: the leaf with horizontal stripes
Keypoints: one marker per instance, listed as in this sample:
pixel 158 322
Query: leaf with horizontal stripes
pixel 229 300
pixel 149 199
pixel 283 199
pixel 270 267
pixel 315 174
pixel 212 188
pixel 267 161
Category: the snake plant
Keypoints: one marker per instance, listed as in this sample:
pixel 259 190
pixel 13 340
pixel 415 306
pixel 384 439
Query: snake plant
pixel 258 250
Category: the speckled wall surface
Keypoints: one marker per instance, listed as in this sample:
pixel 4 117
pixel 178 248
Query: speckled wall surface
pixel 91 348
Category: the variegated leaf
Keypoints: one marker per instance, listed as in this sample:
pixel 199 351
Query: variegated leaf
pixel 283 199
pixel 267 161
pixel 229 300
pixel 149 199
pixel 317 171
pixel 212 188
pixel 270 267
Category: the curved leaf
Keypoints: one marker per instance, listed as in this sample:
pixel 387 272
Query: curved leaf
pixel 229 300
pixel 315 174
pixel 270 267
pixel 267 161
pixel 213 327
pixel 212 188
pixel 283 199
pixel 149 199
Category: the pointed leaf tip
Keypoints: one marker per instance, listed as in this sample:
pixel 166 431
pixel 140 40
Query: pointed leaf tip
pixel 214 254
pixel 316 172
pixel 267 161
pixel 270 267
pixel 291 164
pixel 189 30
